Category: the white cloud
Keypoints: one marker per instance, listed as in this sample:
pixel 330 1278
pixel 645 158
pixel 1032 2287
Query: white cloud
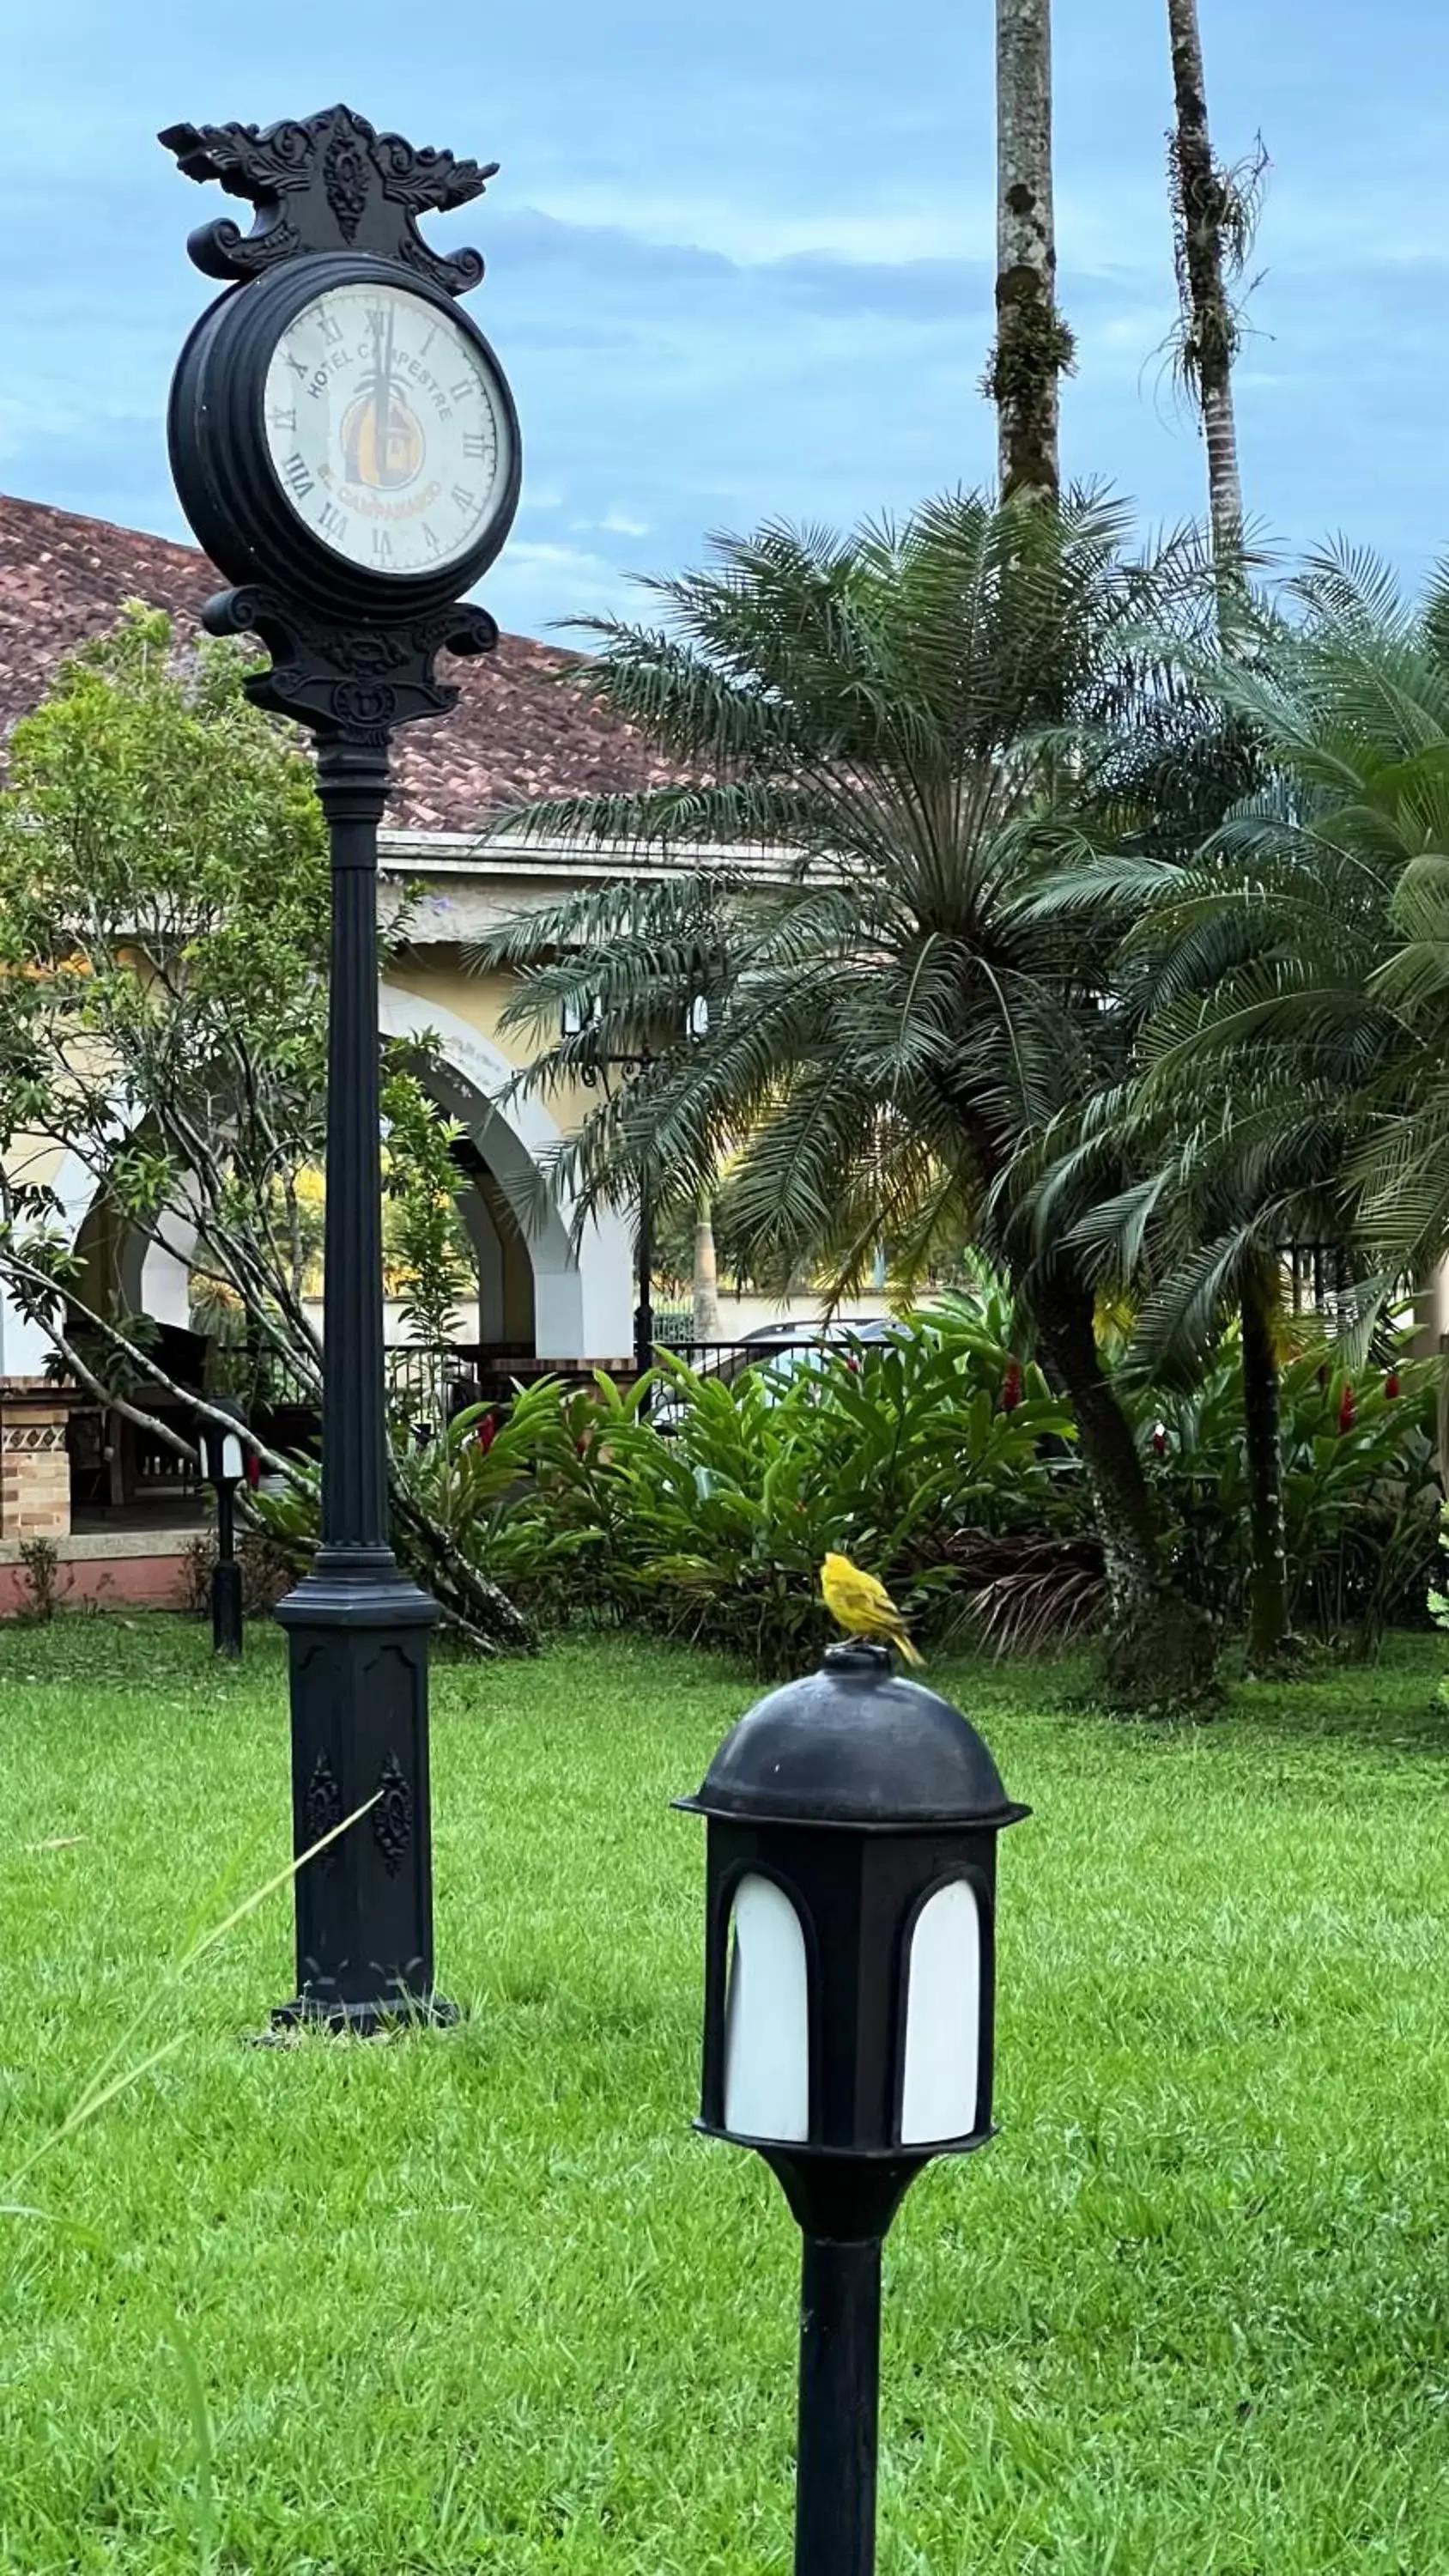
pixel 753 235
pixel 533 586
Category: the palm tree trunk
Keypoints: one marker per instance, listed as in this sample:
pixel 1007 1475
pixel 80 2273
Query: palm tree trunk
pixel 1210 329
pixel 1268 1623
pixel 706 1323
pixel 1160 1650
pixel 1210 336
pixel 1032 343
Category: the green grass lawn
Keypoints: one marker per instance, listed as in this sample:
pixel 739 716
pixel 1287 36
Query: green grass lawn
pixel 481 2302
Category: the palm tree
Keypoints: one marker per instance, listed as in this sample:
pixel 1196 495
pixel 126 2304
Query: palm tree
pixel 1231 1175
pixel 896 721
pixel 1288 1079
pixel 1214 219
pixel 1033 344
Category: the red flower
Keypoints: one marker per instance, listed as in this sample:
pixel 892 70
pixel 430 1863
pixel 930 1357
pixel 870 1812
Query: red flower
pixel 1347 1409
pixel 1159 1438
pixel 487 1432
pixel 254 1469
pixel 1011 1387
pixel 1391 1384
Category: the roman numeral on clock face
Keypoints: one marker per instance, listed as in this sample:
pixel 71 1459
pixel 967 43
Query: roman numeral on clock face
pixel 333 522
pixel 381 546
pixel 461 392
pixel 463 499
pixel 297 475
pixel 283 419
pixel 330 327
pixel 430 540
pixel 477 444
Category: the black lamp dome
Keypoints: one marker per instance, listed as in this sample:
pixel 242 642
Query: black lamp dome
pixel 856 1745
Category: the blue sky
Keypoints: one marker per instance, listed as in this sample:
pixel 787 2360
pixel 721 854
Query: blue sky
pixel 740 259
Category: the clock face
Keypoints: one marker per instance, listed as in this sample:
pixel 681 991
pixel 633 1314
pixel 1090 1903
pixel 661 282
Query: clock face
pixel 387 429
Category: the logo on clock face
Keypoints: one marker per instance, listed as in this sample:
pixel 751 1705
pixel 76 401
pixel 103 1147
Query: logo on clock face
pixel 383 445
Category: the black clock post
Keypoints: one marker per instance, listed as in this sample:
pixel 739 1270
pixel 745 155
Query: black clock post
pixel 316 433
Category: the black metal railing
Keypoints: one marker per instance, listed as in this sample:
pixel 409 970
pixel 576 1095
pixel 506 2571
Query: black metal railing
pixel 1320 1280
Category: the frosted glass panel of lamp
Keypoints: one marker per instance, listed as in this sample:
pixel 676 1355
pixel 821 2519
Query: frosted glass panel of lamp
pixel 943 2019
pixel 767 2017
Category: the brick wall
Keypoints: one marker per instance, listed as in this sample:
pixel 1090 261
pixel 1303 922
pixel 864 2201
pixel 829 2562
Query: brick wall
pixel 34 1466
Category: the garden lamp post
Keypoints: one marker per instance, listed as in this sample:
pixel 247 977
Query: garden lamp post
pixel 644 1310
pixel 849 1978
pixel 696 1026
pixel 571 1025
pixel 346 449
pixel 226 1465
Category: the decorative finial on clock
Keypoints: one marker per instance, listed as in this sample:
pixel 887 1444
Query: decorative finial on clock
pixel 328 182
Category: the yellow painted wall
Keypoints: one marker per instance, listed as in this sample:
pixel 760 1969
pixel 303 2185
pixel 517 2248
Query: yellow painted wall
pixel 438 975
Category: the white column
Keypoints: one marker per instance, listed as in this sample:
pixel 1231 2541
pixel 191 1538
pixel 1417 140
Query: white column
pixel 607 1286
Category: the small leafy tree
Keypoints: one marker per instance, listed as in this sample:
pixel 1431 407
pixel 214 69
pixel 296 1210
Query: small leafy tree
pixel 164 925
pixel 425 1248
pixel 1285 1084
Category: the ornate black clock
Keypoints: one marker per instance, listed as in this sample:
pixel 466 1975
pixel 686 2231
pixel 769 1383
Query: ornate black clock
pixel 346 448
pixel 347 436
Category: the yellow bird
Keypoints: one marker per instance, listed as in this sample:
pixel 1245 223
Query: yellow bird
pixel 863 1607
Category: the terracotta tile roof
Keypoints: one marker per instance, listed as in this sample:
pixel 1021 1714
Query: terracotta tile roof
pixel 516 732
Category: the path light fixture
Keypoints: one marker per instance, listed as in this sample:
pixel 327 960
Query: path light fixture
pixel 226 1465
pixel 573 1021
pixel 848 2028
pixel 346 448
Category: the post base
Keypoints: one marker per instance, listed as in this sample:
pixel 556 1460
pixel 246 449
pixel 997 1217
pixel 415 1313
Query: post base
pixel 367 2020
pixel 358 1633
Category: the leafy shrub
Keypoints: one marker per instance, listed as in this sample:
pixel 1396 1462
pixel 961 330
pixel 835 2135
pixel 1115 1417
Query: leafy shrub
pixel 493 1481
pixel 939 1459
pixel 1360 1489
pixel 269 1568
pixel 719 1524
pixel 576 1501
pixel 41 1575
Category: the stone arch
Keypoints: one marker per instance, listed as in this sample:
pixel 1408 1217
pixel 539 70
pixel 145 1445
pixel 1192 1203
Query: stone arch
pixel 582 1293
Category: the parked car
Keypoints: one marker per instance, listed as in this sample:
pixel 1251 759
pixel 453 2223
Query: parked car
pixel 782 1351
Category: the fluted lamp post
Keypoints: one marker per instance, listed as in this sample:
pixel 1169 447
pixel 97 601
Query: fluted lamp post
pixel 848 2027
